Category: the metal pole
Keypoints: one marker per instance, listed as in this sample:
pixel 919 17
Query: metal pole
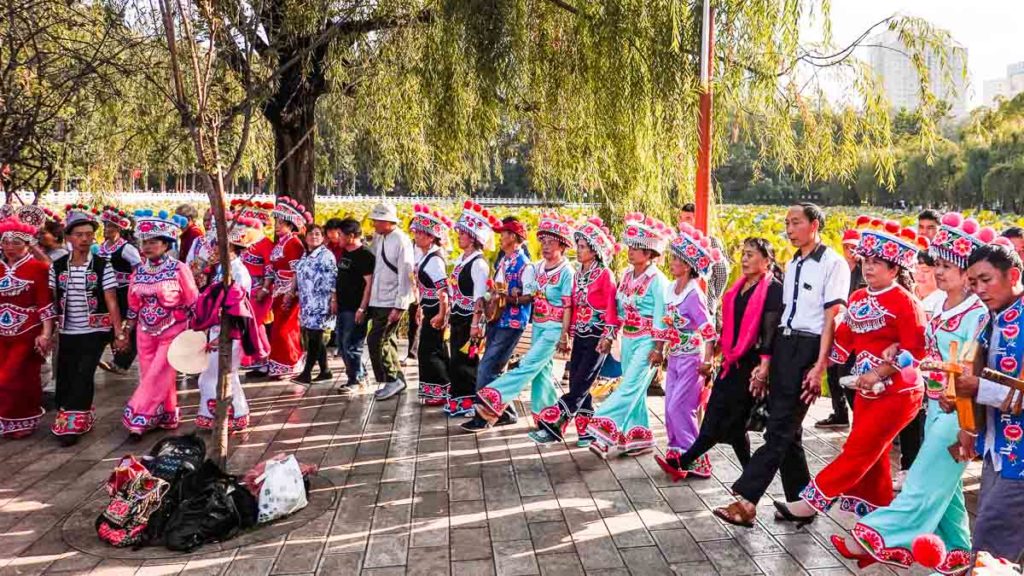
pixel 707 50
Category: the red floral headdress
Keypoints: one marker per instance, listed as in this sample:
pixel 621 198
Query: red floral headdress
pixel 646 232
pixel 958 238
pixel 430 221
pixel 13 227
pixel 887 240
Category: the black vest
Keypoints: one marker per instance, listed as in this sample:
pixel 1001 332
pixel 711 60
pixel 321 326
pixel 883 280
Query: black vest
pixel 123 269
pixel 99 317
pixel 428 293
pixel 466 285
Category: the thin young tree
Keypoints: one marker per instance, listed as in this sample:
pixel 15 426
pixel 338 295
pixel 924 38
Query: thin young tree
pixel 216 112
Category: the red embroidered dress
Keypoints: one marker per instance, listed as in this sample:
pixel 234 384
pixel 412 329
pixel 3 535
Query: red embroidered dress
pixel 257 261
pixel 285 339
pixel 859 478
pixel 25 301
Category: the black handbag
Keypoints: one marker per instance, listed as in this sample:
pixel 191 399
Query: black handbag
pixel 758 417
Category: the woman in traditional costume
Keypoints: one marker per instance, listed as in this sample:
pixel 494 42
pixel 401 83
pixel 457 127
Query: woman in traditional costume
pixel 160 296
pixel 690 335
pixel 621 424
pixel 26 329
pixel 430 231
pixel 468 282
pixel 932 499
pixel 290 218
pixel 551 289
pixel 594 316
pixel 315 283
pixel 256 258
pixel 123 257
pixel 883 314
pixel 85 299
pixel 242 233
pixel 750 316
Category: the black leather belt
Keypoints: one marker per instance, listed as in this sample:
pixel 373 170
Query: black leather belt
pixel 797 333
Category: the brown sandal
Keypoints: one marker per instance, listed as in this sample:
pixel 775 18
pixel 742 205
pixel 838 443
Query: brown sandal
pixel 736 515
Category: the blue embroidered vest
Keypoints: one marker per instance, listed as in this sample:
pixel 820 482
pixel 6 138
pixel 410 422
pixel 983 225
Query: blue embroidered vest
pixel 515 316
pixel 1008 353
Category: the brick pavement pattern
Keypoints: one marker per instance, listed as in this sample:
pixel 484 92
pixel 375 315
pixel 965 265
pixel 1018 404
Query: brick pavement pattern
pixel 415 495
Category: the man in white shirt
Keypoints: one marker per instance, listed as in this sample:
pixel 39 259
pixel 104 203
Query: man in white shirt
pixel 391 292
pixel 815 289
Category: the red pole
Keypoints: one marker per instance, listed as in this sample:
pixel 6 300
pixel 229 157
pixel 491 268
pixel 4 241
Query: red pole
pixel 703 188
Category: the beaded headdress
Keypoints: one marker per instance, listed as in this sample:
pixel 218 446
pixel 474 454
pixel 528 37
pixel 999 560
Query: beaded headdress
pixel 476 221
pixel 150 225
pixel 887 240
pixel 695 249
pixel 599 238
pixel 289 210
pixel 646 232
pixel 429 221
pixel 958 238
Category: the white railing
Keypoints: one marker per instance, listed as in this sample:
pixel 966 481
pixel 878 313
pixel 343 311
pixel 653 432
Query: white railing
pixel 192 196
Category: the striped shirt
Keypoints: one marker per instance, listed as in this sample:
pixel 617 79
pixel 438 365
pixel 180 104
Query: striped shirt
pixel 76 306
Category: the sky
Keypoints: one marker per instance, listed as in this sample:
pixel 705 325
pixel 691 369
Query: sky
pixel 991 30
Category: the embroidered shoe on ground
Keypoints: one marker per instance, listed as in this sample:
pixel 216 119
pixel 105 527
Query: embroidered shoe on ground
pixel 585 441
pixel 390 389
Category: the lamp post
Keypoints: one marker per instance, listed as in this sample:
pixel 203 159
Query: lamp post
pixel 707 50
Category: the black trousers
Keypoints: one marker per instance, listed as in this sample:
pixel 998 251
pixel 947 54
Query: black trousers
pixel 432 352
pixel 584 366
pixel 783 449
pixel 382 341
pixel 725 420
pixel 78 355
pixel 414 327
pixel 911 439
pixel 840 395
pixel 316 351
pixel 462 369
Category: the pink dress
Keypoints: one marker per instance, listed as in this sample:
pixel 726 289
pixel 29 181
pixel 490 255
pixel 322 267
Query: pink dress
pixel 159 298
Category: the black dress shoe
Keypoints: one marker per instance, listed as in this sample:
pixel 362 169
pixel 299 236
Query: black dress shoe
pixel 302 379
pixel 325 375
pixel 833 422
pixel 507 418
pixel 477 424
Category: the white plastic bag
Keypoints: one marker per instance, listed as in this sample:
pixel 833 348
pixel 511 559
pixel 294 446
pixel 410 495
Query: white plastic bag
pixel 282 492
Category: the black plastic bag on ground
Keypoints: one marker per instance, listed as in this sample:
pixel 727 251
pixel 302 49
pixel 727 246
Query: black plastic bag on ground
pixel 203 506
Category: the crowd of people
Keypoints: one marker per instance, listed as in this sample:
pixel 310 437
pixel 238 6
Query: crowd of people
pixel 914 330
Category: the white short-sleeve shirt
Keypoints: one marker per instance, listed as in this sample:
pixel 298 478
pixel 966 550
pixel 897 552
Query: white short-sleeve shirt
pixel 812 285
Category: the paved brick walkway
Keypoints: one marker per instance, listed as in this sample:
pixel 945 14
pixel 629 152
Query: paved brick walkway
pixel 417 496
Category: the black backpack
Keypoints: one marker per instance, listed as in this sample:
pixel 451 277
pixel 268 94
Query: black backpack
pixel 174 456
pixel 204 506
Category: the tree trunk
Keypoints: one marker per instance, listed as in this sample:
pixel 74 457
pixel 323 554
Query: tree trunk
pixel 295 154
pixel 291 112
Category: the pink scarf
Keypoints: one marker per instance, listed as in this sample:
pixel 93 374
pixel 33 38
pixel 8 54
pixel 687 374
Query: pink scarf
pixel 749 324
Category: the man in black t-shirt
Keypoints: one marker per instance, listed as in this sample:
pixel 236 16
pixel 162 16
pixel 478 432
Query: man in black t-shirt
pixel 355 271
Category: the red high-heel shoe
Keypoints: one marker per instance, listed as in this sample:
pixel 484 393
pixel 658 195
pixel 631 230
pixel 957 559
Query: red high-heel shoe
pixel 863 560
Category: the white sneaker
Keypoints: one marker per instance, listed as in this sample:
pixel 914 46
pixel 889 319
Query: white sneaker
pixel 390 389
pixel 897 483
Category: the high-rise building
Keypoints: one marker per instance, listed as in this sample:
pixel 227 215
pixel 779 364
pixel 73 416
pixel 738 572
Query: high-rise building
pixel 890 60
pixel 1005 88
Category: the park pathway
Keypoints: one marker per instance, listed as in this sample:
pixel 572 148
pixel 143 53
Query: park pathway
pixel 411 494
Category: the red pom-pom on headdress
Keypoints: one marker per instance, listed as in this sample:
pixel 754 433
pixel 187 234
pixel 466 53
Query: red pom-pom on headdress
pixel 970 226
pixel 862 221
pixel 986 235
